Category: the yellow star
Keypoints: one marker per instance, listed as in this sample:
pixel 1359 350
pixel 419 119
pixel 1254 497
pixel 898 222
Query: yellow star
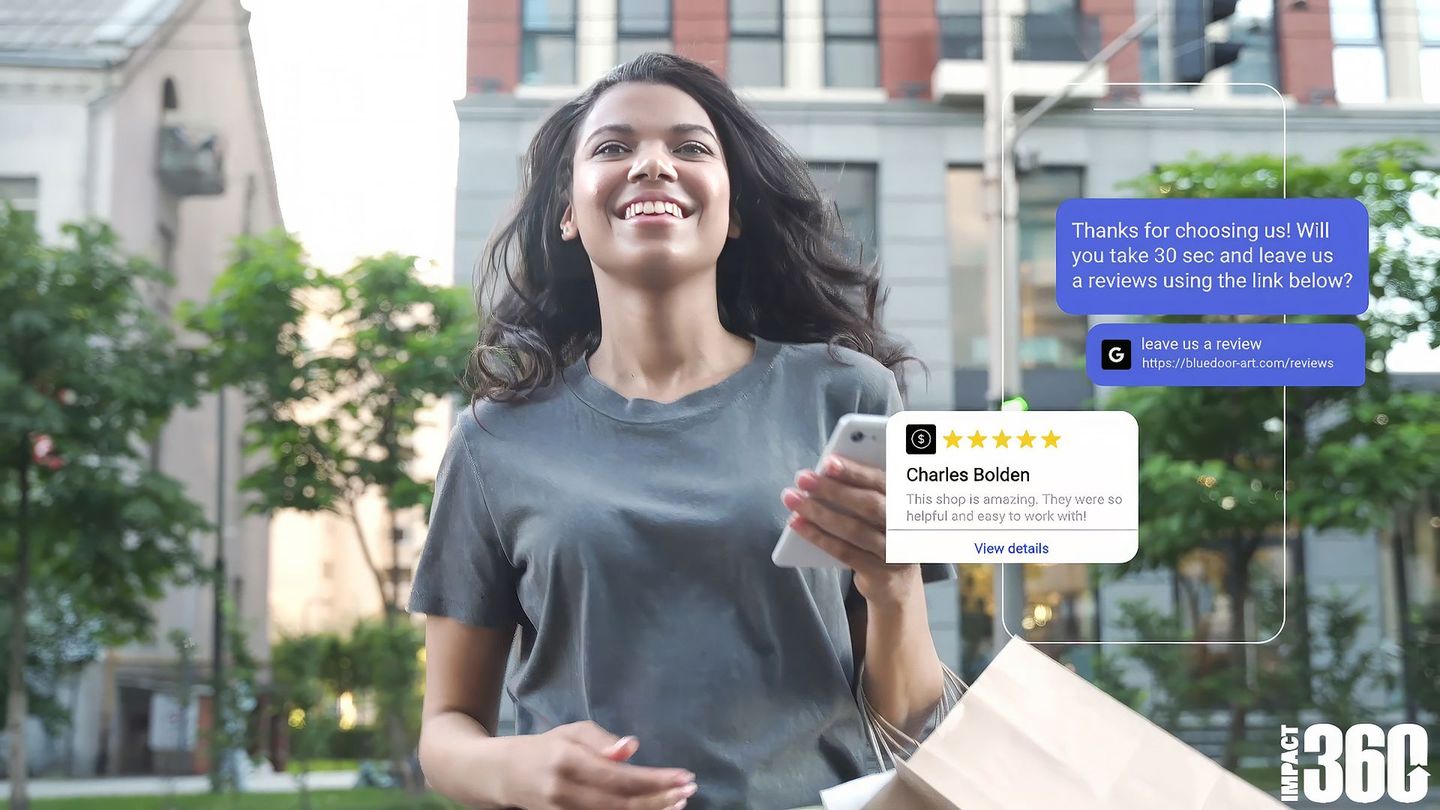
pixel 1001 440
pixel 952 439
pixel 977 439
pixel 1051 439
pixel 1026 440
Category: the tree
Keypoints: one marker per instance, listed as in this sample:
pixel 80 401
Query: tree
pixel 89 373
pixel 296 665
pixel 1214 459
pixel 332 421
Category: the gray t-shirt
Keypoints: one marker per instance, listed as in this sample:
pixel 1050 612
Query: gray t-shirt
pixel 630 540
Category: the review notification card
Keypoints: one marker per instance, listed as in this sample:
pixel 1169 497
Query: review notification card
pixel 1011 486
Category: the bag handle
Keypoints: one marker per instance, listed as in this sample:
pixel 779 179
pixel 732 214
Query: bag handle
pixel 889 742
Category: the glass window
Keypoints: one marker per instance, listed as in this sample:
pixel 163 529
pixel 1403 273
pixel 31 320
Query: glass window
pixel 852 189
pixel 1430 74
pixel 1059 604
pixel 628 48
pixel 1430 52
pixel 756 62
pixel 1354 22
pixel 851 63
pixel 23 194
pixel 1048 335
pixel 547 42
pixel 967 237
pixel 1358 59
pixel 644 17
pixel 1359 74
pixel 851 50
pixel 852 17
pixel 641 26
pixel 762 17
pixel 757 35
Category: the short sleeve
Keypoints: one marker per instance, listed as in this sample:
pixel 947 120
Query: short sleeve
pixel 463 572
pixel 883 396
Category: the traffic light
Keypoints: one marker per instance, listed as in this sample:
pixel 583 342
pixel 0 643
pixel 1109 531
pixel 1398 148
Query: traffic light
pixel 1194 55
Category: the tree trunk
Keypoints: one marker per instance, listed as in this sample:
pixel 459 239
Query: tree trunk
pixel 395 717
pixel 1238 582
pixel 18 707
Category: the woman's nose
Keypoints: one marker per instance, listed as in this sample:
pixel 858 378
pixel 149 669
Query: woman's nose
pixel 652 163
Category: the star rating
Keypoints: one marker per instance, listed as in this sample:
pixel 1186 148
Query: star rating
pixel 1003 439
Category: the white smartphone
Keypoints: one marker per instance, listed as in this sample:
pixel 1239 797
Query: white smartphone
pixel 857 436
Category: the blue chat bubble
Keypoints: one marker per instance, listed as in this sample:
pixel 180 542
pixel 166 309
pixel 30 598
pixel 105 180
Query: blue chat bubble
pixel 1225 354
pixel 1212 256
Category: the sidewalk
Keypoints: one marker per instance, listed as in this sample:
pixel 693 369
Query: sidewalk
pixel 184 785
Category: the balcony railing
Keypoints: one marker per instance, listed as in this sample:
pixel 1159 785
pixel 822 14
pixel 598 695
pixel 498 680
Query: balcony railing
pixel 1073 37
pixel 191 161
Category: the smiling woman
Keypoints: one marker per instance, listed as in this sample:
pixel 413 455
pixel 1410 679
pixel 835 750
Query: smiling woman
pixel 673 337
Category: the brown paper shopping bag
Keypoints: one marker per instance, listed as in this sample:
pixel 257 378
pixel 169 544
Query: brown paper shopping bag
pixel 1032 735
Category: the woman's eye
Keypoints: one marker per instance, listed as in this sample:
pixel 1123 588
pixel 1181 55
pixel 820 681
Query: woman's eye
pixel 693 148
pixel 610 148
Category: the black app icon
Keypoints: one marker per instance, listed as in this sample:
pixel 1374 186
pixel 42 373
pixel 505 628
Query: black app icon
pixel 1115 355
pixel 920 439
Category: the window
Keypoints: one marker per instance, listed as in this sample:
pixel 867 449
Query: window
pixel 1048 335
pixel 23 193
pixel 850 47
pixel 757 34
pixel 968 237
pixel 1359 59
pixel 851 187
pixel 1430 52
pixel 641 26
pixel 547 42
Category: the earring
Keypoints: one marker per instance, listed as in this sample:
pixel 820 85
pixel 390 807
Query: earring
pixel 565 230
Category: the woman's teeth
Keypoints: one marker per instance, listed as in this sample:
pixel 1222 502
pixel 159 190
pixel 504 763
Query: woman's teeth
pixel 653 207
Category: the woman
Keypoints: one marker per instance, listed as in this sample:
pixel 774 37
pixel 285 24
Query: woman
pixel 676 336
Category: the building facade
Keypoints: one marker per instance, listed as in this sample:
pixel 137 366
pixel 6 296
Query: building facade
pixel 145 114
pixel 884 99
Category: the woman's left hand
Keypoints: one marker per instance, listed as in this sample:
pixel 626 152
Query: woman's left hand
pixel 856 539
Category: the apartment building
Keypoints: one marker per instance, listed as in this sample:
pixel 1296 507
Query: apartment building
pixel 145 114
pixel 884 98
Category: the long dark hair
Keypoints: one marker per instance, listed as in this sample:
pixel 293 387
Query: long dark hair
pixel 784 278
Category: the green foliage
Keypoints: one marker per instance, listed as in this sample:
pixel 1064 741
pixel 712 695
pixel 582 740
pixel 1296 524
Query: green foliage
pixel 88 363
pixel 380 660
pixel 300 695
pixel 1350 670
pixel 237 700
pixel 61 642
pixel 388 654
pixel 1218 462
pixel 1178 677
pixel 329 420
pixel 1425 658
pixel 1213 458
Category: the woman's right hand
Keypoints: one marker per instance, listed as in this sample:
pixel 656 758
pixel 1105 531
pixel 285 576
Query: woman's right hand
pixel 581 766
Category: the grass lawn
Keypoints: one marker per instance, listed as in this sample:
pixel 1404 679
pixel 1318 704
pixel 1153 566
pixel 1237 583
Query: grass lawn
pixel 315 765
pixel 319 800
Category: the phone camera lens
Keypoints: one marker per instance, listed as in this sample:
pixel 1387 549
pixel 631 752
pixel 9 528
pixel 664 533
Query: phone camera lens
pixel 857 436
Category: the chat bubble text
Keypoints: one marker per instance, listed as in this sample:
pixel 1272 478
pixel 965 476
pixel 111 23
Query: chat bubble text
pixel 1238 354
pixel 1012 486
pixel 1212 256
